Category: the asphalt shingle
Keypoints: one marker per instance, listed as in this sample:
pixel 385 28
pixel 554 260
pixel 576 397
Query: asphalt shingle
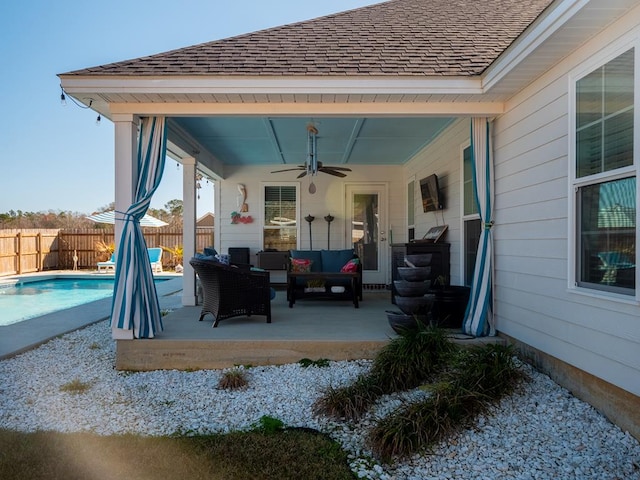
pixel 395 38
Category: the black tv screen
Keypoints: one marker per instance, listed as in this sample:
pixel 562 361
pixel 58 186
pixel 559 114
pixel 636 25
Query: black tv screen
pixel 430 191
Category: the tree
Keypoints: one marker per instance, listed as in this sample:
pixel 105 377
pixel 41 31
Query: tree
pixel 175 207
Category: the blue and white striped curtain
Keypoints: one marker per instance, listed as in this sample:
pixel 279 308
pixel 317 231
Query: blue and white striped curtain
pixel 135 305
pixel 479 315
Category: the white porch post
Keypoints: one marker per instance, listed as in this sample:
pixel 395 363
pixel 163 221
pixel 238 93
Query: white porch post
pixel 189 297
pixel 126 165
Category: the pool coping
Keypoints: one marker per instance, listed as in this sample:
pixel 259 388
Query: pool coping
pixel 28 334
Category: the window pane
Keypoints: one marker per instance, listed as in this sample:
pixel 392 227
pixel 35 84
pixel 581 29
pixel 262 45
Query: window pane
pixel 280 206
pixel 470 205
pixel 618 141
pixel 471 239
pixel 281 239
pixel 589 151
pixel 411 203
pixel 607 235
pixel 604 117
pixel 618 83
pixel 589 98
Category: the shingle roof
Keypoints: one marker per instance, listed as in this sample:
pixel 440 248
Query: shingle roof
pixel 395 38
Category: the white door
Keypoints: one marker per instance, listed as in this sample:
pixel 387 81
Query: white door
pixel 366 229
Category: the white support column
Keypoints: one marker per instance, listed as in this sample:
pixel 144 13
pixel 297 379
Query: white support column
pixel 189 297
pixel 217 216
pixel 126 173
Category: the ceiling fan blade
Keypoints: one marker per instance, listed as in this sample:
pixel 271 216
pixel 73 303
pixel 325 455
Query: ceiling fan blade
pixel 332 172
pixel 343 169
pixel 289 169
pixel 302 174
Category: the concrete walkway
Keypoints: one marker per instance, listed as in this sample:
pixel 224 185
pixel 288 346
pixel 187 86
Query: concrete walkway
pixel 22 336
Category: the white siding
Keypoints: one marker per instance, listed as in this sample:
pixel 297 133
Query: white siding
pixel 533 301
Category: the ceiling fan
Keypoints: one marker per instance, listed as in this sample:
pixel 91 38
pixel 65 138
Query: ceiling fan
pixel 312 166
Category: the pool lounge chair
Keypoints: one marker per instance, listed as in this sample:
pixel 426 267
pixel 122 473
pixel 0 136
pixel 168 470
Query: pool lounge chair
pixel 155 257
pixel 108 265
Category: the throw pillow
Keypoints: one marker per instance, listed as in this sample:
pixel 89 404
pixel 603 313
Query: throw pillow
pixel 351 266
pixel 301 265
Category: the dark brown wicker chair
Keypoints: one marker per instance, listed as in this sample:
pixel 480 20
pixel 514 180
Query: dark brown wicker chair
pixel 229 291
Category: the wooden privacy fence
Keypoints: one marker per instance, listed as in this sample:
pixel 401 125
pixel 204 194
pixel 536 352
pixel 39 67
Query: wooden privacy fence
pixel 36 250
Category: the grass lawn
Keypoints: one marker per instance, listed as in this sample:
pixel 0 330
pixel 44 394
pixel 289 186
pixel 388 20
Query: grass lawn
pixel 284 454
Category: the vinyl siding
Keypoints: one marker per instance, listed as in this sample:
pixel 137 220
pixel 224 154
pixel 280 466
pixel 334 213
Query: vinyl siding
pixel 534 303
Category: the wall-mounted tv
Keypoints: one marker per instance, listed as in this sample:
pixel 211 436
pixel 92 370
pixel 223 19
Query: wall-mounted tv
pixel 431 195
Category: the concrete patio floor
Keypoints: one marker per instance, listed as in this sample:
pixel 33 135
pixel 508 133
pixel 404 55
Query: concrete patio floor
pixel 311 329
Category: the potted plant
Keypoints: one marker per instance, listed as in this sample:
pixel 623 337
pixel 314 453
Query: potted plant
pixel 450 304
pixel 177 253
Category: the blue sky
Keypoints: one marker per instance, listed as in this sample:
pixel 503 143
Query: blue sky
pixel 56 158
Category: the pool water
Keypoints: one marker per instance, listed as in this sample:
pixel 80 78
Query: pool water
pixel 32 299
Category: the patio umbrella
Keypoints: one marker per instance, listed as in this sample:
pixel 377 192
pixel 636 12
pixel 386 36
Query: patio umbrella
pixel 479 315
pixel 110 218
pixel 135 305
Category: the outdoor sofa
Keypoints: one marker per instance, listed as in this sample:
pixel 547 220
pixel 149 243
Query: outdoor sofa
pixel 324 274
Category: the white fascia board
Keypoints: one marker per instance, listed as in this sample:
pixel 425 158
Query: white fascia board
pixel 542 29
pixel 79 85
pixel 370 109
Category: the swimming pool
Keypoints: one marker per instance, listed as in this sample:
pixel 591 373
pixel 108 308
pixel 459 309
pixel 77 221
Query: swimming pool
pixel 30 299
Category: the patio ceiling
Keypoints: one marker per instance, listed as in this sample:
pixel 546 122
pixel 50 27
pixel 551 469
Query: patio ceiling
pixel 341 141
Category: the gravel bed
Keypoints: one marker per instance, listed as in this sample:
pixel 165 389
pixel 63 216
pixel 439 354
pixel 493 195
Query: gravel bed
pixel 540 432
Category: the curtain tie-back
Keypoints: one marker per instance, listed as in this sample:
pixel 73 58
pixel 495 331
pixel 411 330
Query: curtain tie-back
pixel 488 225
pixel 127 217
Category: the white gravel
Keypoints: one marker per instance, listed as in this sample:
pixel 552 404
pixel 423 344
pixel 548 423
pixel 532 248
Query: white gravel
pixel 542 432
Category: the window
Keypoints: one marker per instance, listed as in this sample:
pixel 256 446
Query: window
pixel 605 177
pixel 280 217
pixel 471 218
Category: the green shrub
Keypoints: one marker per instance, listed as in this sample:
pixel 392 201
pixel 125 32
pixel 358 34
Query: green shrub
pixel 351 401
pixel 268 425
pixel 412 358
pixel 478 376
pixel 307 362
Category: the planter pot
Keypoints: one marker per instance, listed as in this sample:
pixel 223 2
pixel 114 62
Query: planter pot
pixel 415 305
pixel 401 322
pixel 411 289
pixel 414 274
pixel 418 260
pixel 450 305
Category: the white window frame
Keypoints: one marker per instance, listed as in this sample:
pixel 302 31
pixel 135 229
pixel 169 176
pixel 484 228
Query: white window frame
pixel 411 179
pixel 262 205
pixel 596 61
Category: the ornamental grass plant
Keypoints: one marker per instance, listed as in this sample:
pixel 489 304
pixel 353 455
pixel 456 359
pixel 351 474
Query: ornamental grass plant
pixel 478 378
pixel 406 362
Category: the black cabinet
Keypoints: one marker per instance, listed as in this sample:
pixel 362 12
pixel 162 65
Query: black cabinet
pixel 273 260
pixel 440 261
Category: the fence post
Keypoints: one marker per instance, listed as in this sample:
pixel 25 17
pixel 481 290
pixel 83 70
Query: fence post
pixel 19 252
pixel 39 251
pixel 60 240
